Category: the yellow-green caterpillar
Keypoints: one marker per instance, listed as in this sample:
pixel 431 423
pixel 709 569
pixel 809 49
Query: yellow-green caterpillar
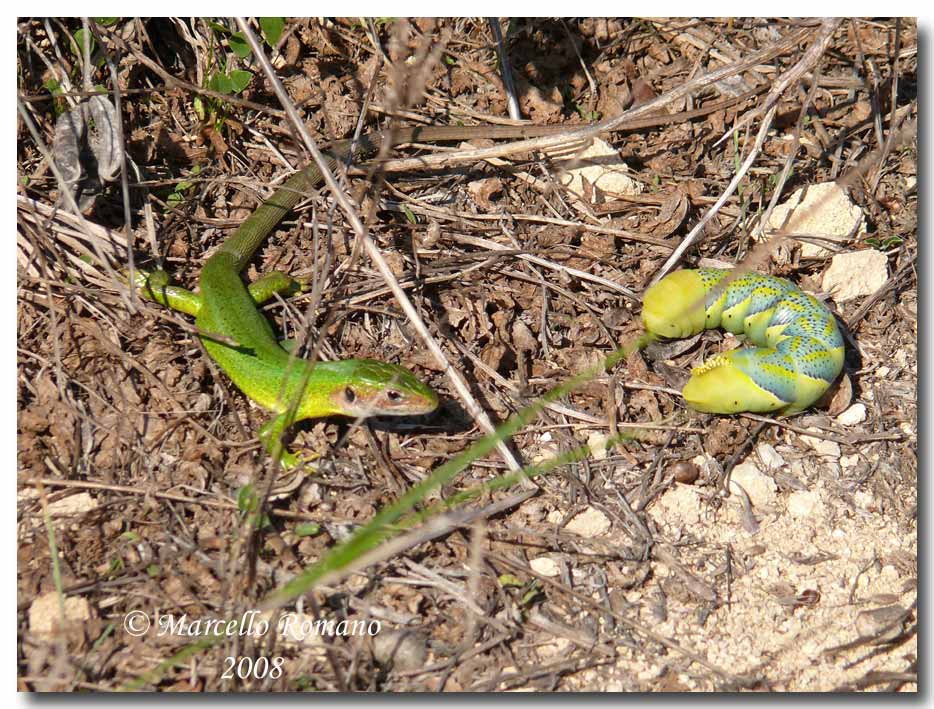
pixel 799 353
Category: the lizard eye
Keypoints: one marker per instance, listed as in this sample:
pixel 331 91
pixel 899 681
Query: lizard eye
pixel 394 395
pixel 350 395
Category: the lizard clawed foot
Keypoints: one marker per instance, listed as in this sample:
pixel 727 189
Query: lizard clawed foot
pixel 289 460
pixel 270 435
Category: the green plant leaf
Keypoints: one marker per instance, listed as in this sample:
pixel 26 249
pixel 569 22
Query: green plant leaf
pixel 238 45
pixel 240 79
pixel 246 499
pixel 307 529
pixel 53 87
pixel 507 580
pixel 79 41
pixel 272 29
pixel 533 593
pixel 220 83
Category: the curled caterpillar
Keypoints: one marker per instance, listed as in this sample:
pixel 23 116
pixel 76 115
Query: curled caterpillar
pixel 799 353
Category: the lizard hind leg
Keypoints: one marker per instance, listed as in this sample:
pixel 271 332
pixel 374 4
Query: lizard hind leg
pixel 155 287
pixel 273 283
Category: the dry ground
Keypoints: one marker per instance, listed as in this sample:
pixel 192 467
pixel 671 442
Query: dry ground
pixel 633 570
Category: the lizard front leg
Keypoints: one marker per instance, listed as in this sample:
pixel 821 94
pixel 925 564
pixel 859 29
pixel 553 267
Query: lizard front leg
pixel 270 435
pixel 155 286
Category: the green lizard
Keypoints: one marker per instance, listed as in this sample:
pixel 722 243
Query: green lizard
pixel 241 340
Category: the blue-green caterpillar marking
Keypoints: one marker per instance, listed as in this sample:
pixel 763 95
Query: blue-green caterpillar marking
pixel 799 353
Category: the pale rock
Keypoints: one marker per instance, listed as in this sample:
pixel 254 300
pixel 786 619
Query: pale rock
pixel 823 210
pixel 769 456
pixel 544 566
pixel 556 648
pixel 45 613
pixel 881 624
pixel 864 500
pixel 811 648
pixel 855 274
pixel 883 372
pixel 714 263
pixel 822 446
pixel 849 461
pixel 402 650
pixel 589 523
pixel 653 672
pixel 26 494
pixel 678 506
pixel 547 451
pixel 889 574
pixel 596 442
pixel 79 503
pixel 803 503
pixel 760 488
pixel 602 167
pixel 853 415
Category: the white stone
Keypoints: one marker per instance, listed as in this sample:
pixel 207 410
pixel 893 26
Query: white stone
pixel 849 461
pixel 769 456
pixel 45 613
pixel 760 488
pixel 602 167
pixel 855 274
pixel 73 504
pixel 597 444
pixel 544 566
pixel 889 574
pixel 864 499
pixel 678 506
pixel 803 503
pixel 589 523
pixel 853 415
pixel 883 372
pixel 823 210
pixel 822 446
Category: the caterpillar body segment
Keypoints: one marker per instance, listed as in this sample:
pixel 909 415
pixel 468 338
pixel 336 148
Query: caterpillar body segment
pixel 799 352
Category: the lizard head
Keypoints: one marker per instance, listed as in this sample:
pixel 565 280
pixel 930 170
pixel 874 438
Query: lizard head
pixel 372 388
